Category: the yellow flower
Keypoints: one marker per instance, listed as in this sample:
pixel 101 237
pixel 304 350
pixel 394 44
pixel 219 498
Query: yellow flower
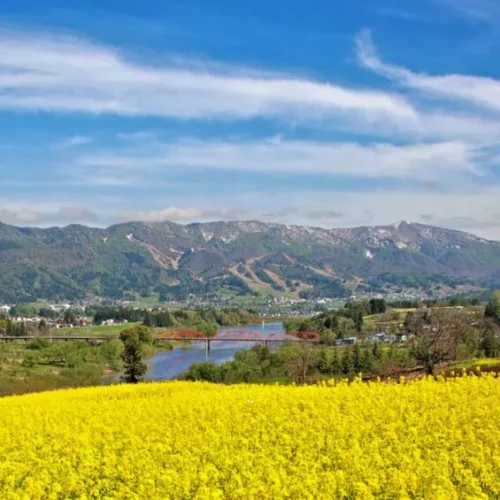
pixel 180 440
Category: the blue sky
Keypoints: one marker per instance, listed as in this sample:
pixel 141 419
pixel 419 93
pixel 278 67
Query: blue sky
pixel 331 113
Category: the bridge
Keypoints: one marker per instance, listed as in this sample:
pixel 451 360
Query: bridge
pixel 180 336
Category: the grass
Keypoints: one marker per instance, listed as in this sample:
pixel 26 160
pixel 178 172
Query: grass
pixel 476 363
pixel 93 330
pixel 54 366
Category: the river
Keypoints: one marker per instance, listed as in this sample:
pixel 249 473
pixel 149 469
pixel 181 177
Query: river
pixel 170 364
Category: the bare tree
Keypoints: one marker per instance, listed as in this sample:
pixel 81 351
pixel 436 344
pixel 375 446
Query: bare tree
pixel 298 361
pixel 434 336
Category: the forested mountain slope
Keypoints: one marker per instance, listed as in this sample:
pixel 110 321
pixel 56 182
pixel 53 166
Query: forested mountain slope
pixel 236 257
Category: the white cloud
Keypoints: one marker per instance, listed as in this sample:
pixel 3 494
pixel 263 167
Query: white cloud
pixel 49 73
pixel 42 215
pixel 19 217
pixel 473 211
pixel 475 90
pixel 75 214
pixel 483 10
pixel 184 214
pixel 44 72
pixel 73 141
pixel 379 160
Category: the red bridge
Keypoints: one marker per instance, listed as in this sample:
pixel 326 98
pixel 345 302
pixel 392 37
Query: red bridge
pixel 252 336
pixel 238 336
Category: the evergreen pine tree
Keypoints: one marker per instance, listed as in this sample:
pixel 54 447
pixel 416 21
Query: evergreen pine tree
pixel 356 359
pixel 346 361
pixel 377 352
pixel 134 368
pixel 493 309
pixel 148 319
pixel 323 365
pixel 366 360
pixel 335 366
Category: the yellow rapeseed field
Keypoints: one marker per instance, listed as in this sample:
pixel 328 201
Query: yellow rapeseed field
pixel 427 439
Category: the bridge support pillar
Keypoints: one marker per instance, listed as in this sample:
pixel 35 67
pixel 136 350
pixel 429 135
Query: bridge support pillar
pixel 207 347
pixel 265 343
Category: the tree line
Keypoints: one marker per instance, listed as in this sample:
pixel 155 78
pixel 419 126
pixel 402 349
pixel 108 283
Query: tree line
pixel 297 363
pixel 338 324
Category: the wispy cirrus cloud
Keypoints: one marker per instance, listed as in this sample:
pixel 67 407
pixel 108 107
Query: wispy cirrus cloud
pixel 274 155
pixel 474 90
pixel 483 10
pixel 43 72
pixel 73 141
pixel 392 134
pixel 63 74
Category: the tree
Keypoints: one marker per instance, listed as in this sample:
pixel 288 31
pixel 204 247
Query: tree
pixel 493 309
pixel 346 363
pixel 363 307
pixel 376 352
pixel 331 322
pixel 489 341
pixel 323 365
pixel 134 368
pixel 69 317
pixel 43 327
pixel 23 311
pixel 148 319
pixel 207 370
pixel 356 311
pixel 209 329
pixel 15 329
pixel 346 328
pixel 298 361
pixel 356 359
pixel 434 336
pixel 45 312
pixel 143 333
pixel 335 366
pixel 366 360
pixel 112 351
pixel 377 306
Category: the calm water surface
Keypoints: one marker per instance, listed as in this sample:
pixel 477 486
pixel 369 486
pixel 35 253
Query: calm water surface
pixel 168 365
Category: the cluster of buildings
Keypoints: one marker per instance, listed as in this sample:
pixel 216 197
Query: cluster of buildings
pixel 380 338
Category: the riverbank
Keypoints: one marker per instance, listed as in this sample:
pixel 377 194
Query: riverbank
pixel 171 364
pixel 42 365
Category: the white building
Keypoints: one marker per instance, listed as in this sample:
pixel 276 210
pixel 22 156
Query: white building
pixel 60 307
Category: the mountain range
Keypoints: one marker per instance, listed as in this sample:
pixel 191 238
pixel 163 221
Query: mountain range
pixel 236 258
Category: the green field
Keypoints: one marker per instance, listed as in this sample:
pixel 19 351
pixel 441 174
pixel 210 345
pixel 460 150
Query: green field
pixel 43 365
pixel 93 330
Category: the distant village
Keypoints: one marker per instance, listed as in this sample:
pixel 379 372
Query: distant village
pixel 71 315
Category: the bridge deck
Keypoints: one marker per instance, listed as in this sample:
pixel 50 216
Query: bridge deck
pixel 166 339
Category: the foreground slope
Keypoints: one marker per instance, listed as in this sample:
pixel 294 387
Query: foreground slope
pixel 178 440
pixel 238 257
